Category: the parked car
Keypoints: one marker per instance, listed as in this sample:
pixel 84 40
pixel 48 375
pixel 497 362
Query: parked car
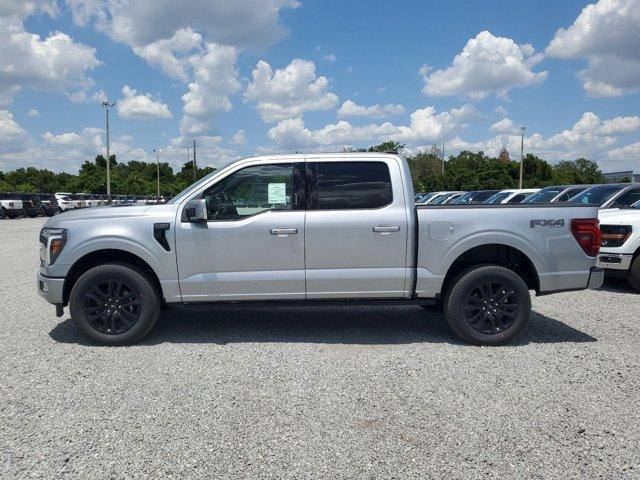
pixel 76 201
pixel 64 201
pixel 510 196
pixel 451 198
pixel 88 199
pixel 357 237
pixel 31 204
pixel 612 195
pixel 11 205
pixel 438 197
pixel 620 251
pixel 49 203
pixel 556 193
pixel 474 198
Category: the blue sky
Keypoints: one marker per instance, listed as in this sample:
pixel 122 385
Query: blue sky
pixel 264 76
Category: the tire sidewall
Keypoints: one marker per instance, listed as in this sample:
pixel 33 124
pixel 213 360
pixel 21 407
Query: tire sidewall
pixel 149 300
pixel 633 276
pixel 461 286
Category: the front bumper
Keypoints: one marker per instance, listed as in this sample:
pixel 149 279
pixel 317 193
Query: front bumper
pixel 596 278
pixel 614 261
pixel 50 288
pixel 14 212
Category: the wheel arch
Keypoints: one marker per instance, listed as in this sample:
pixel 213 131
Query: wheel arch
pixel 495 254
pixel 100 257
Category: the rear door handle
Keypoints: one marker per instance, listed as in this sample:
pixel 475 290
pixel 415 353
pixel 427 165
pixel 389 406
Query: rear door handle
pixel 386 228
pixel 283 231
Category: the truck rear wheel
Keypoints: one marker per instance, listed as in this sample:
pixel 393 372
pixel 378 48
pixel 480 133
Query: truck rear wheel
pixel 115 303
pixel 634 273
pixel 487 305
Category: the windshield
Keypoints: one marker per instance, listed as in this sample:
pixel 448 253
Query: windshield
pixel 463 199
pixel 426 197
pixel 496 198
pixel 543 196
pixel 191 187
pixel 596 195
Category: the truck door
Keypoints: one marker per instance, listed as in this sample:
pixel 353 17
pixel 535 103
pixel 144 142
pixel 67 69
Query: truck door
pixel 252 245
pixel 356 229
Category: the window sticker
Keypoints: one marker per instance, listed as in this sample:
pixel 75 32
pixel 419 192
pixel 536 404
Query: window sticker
pixel 277 193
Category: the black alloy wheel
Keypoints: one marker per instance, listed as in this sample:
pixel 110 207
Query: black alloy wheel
pixel 487 304
pixel 491 307
pixel 112 307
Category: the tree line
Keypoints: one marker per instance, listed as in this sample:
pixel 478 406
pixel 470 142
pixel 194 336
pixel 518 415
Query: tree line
pixel 133 178
pixel 477 171
pixel 465 171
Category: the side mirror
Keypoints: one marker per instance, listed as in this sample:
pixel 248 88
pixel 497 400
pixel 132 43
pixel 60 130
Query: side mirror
pixel 196 211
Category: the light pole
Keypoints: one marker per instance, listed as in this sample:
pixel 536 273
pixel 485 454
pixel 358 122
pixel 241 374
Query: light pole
pixel 158 150
pixel 107 106
pixel 522 129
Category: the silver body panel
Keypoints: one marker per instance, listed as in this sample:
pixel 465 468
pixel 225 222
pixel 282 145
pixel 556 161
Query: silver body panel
pixel 317 254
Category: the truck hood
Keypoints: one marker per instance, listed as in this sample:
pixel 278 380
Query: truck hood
pixel 111 213
pixel 623 216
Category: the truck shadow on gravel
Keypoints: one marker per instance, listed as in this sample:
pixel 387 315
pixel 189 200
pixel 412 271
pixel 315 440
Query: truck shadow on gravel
pixel 326 325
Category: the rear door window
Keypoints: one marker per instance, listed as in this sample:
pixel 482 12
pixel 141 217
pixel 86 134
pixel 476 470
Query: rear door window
pixel 350 185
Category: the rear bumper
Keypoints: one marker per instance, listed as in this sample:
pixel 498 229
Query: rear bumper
pixel 50 288
pixel 14 212
pixel 614 261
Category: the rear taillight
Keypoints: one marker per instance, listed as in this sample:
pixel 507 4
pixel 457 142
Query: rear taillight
pixel 587 233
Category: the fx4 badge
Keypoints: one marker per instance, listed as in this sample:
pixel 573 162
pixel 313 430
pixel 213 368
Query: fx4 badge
pixel 546 223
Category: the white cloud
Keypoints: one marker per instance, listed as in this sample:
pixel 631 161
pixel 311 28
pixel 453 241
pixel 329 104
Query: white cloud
pixel 632 150
pixel 12 136
pixel 81 96
pixel 239 138
pixel 141 106
pixel 171 55
pixel 329 57
pixel 33 113
pixel 425 126
pixel 619 125
pixel 215 79
pixel 139 23
pixel 56 62
pixel 607 35
pixel 350 108
pixel 289 92
pixel 505 125
pixel 486 64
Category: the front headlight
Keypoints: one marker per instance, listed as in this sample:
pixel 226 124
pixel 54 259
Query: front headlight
pixel 52 241
pixel 615 235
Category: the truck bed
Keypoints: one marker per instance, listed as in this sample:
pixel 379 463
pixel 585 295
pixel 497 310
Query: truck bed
pixel 542 233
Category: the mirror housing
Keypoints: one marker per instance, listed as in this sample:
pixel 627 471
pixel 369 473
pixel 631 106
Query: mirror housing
pixel 196 211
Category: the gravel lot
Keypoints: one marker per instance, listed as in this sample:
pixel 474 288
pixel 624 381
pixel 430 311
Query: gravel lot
pixel 316 392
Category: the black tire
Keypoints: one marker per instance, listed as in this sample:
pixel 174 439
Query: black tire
pixel 123 318
pixel 487 305
pixel 3 213
pixel 634 273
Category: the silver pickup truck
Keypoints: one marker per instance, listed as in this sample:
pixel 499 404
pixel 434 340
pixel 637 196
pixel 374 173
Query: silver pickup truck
pixel 314 229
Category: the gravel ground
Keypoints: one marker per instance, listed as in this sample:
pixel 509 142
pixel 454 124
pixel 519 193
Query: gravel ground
pixel 316 392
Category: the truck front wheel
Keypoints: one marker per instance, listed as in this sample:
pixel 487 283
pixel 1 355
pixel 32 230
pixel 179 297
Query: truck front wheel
pixel 634 273
pixel 114 303
pixel 487 305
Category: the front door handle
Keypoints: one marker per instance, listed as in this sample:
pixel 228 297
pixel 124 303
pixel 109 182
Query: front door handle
pixel 386 228
pixel 283 231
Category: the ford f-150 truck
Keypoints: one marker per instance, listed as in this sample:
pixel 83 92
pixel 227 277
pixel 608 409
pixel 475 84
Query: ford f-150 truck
pixel 620 252
pixel 314 229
